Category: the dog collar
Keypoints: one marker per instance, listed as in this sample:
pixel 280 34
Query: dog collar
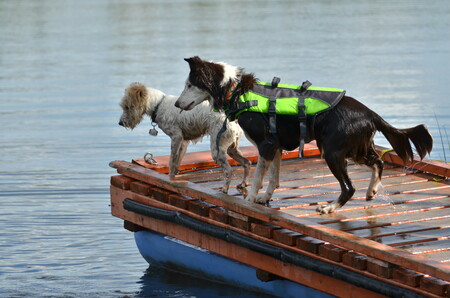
pixel 153 116
pixel 231 90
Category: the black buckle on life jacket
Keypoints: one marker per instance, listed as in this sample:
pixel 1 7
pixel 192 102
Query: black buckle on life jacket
pixel 305 85
pixel 275 82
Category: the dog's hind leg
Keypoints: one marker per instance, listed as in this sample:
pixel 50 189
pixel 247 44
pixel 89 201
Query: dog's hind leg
pixel 338 165
pixel 257 181
pixel 220 157
pixel 274 179
pixel 181 153
pixel 222 161
pixel 236 154
pixel 373 161
pixel 178 148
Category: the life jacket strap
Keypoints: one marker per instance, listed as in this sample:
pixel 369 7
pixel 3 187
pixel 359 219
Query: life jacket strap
pixel 273 108
pixel 245 105
pixel 220 133
pixel 302 121
pixel 272 115
pixel 231 114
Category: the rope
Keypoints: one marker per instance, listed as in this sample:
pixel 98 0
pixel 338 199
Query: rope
pixel 384 152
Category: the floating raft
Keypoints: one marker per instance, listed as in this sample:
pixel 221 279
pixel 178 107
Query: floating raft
pixel 395 245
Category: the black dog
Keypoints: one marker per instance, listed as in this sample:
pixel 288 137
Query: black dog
pixel 343 132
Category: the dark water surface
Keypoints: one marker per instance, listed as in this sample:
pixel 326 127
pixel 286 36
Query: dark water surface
pixel 63 68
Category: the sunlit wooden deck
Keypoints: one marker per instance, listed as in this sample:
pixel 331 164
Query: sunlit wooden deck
pixel 411 212
pixel 405 231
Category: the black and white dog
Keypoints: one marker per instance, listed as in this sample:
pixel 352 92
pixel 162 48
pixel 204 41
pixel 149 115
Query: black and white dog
pixel 343 132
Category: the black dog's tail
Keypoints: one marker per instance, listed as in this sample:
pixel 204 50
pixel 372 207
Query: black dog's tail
pixel 399 139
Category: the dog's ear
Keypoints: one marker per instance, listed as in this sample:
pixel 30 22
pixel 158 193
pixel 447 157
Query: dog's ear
pixel 139 92
pixel 194 61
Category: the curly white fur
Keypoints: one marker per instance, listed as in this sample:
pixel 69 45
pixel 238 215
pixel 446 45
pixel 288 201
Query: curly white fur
pixel 183 127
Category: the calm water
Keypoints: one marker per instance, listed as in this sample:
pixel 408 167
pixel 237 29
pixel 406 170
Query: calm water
pixel 63 68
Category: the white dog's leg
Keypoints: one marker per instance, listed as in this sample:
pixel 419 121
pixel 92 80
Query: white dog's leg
pixel 221 159
pixel 176 145
pixel 181 153
pixel 375 182
pixel 261 168
pixel 236 154
pixel 274 179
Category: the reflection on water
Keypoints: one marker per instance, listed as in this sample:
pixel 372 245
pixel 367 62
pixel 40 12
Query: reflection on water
pixel 159 281
pixel 64 66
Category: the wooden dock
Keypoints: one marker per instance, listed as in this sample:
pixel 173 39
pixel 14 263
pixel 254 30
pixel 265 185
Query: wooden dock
pixel 399 241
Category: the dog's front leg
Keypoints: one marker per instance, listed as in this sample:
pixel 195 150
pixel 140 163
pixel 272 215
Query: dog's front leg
pixel 237 155
pixel 274 179
pixel 257 182
pixel 220 158
pixel 338 166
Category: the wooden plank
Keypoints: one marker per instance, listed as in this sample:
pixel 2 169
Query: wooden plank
pixel 411 237
pixel 390 177
pixel 371 211
pixel 286 270
pixel 443 257
pixel 392 230
pixel 425 165
pixel 389 196
pixel 118 195
pixel 303 226
pixel 303 178
pixel 406 218
pixel 393 209
pixel 203 160
pixel 212 175
pixel 215 175
pixel 320 179
pixel 319 193
pixel 426 248
pixel 327 193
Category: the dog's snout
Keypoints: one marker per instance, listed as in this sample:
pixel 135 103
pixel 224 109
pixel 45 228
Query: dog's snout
pixel 121 123
pixel 177 104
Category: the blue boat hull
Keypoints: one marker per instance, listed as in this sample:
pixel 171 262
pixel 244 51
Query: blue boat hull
pixel 193 260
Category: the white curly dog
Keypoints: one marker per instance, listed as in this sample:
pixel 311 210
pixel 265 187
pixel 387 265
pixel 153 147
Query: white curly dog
pixel 183 127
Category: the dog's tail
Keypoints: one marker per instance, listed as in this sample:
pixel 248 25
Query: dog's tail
pixel 399 139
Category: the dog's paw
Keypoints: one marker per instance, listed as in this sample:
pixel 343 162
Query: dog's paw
pixel 250 198
pixel 243 191
pixel 173 173
pixel 241 188
pixel 242 185
pixel 224 189
pixel 326 209
pixel 263 199
pixel 371 196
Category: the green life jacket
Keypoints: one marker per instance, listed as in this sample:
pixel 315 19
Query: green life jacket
pixel 304 100
pixel 287 99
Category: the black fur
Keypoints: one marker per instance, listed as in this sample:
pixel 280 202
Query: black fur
pixel 346 131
